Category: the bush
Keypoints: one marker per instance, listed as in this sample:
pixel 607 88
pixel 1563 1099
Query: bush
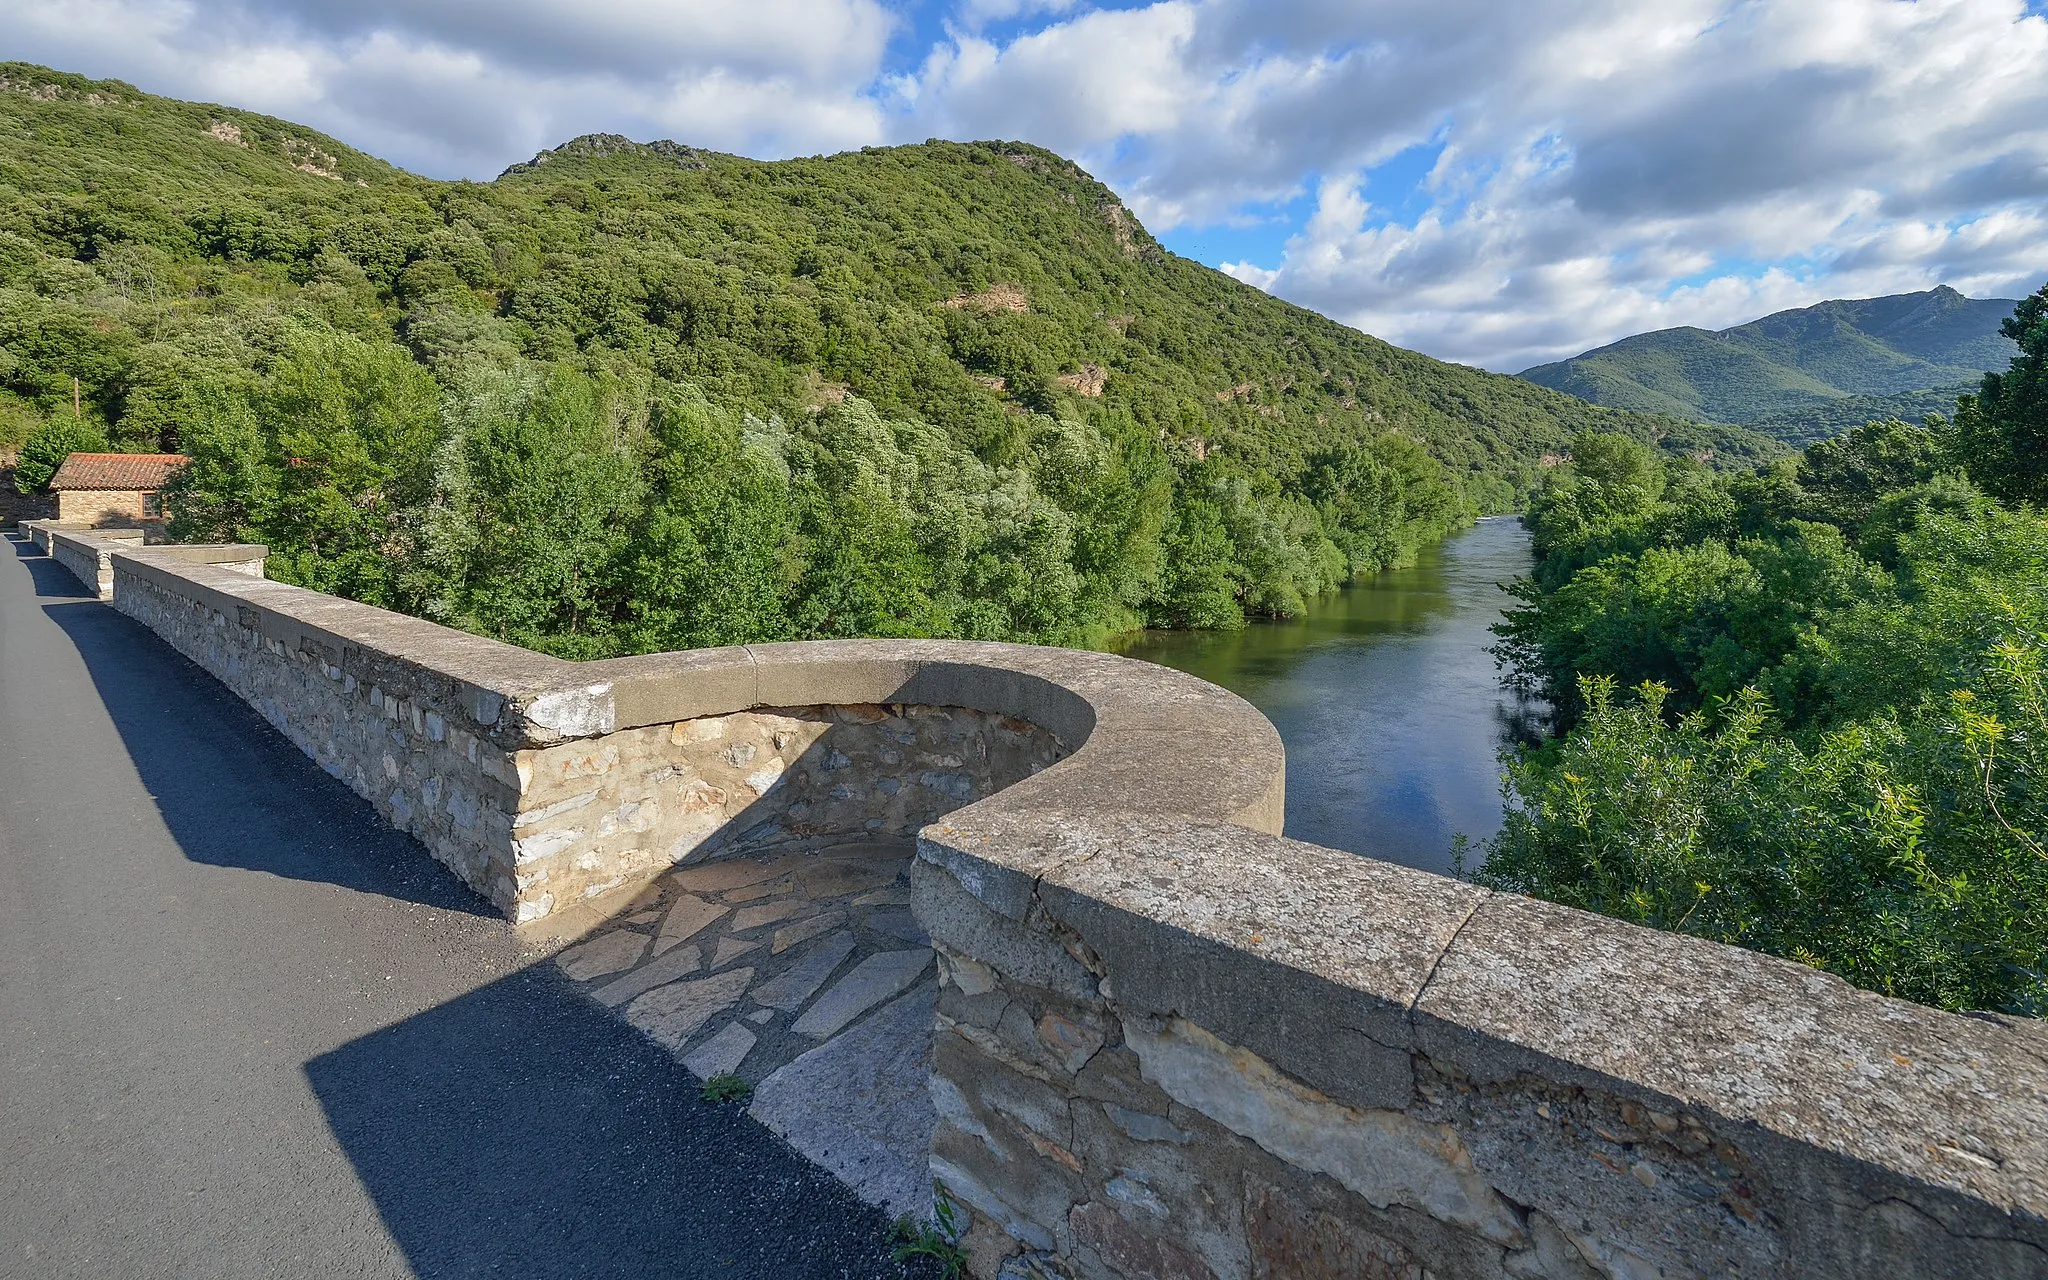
pixel 46 448
pixel 1906 854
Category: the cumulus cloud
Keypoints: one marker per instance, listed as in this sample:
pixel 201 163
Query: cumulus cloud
pixel 1601 166
pixel 1500 184
pixel 465 87
pixel 1717 163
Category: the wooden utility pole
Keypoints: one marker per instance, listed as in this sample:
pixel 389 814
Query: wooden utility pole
pixel 74 398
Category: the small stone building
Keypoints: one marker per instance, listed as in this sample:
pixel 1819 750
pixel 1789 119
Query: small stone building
pixel 114 490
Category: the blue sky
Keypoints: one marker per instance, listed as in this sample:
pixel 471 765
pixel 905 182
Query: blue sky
pixel 1491 183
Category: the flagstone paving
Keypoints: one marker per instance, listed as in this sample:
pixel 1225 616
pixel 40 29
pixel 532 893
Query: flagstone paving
pixel 806 975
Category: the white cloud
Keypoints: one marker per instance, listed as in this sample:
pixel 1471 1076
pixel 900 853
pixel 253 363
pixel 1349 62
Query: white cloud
pixel 1600 166
pixel 1818 150
pixel 1079 84
pixel 465 87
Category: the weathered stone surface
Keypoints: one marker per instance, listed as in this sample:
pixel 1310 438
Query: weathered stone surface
pixel 1385 1156
pixel 804 930
pixel 1143 1126
pixel 857 1105
pixel 898 924
pixel 838 878
pixel 768 913
pixel 606 953
pixel 666 967
pixel 970 976
pixel 794 985
pixel 962 923
pixel 729 950
pixel 1292 1242
pixel 1069 1041
pixel 1133 1251
pixel 671 1015
pixel 869 983
pixel 733 873
pixel 1312 966
pixel 721 1054
pixel 1960 1101
pixel 755 892
pixel 686 919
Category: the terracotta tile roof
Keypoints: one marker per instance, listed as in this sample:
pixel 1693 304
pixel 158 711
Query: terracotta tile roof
pixel 143 471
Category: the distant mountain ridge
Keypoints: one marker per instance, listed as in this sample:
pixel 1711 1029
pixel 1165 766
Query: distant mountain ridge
pixel 1786 371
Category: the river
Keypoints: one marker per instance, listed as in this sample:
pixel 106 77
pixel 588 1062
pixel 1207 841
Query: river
pixel 1385 694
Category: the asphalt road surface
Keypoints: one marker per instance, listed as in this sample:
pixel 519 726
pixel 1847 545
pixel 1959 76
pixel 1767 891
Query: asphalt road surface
pixel 247 1030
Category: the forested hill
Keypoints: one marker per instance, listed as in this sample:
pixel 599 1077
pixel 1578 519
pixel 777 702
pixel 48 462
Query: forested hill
pixel 939 389
pixel 1782 373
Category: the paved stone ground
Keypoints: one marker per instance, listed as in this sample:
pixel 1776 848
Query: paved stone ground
pixel 806 975
pixel 246 1029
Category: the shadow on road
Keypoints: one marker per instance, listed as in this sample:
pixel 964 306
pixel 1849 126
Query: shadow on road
pixel 521 1130
pixel 231 789
pixel 52 580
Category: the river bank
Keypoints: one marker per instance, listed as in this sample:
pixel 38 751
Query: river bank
pixel 1386 696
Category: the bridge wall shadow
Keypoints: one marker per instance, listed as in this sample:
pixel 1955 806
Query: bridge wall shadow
pixel 522 1130
pixel 232 790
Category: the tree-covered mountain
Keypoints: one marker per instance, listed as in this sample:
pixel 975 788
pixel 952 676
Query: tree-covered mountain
pixel 1783 373
pixel 641 395
pixel 1826 419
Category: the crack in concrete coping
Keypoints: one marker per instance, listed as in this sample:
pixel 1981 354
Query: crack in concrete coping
pixel 754 670
pixel 1442 954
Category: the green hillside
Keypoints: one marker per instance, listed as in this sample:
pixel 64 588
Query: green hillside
pixel 631 396
pixel 1794 361
pixel 1827 419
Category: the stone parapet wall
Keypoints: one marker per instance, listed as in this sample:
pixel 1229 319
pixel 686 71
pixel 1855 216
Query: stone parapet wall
pixel 600 813
pixel 517 771
pixel 1171 1042
pixel 86 552
pixel 1196 1050
pixel 431 750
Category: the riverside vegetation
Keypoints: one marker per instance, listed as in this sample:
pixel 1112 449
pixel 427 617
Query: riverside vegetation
pixel 639 397
pixel 632 398
pixel 1807 706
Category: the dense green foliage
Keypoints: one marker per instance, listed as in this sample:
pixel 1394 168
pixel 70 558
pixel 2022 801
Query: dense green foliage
pixel 2003 430
pixel 1825 419
pixel 1835 742
pixel 1798 375
pixel 45 448
pixel 642 396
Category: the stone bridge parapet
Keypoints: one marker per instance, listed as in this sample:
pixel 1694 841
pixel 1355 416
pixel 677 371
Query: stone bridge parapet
pixel 1169 1041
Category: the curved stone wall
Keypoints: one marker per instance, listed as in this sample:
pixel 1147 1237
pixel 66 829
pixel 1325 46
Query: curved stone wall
pixel 600 813
pixel 1173 1043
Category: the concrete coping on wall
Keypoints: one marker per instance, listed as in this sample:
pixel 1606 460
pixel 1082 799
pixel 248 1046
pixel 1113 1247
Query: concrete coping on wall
pixel 43 533
pixel 1153 846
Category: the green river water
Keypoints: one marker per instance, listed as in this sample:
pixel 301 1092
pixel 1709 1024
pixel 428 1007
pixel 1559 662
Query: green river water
pixel 1385 694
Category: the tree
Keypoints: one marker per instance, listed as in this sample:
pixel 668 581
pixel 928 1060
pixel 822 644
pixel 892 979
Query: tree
pixel 46 448
pixel 537 495
pixel 2001 433
pixel 226 493
pixel 1843 478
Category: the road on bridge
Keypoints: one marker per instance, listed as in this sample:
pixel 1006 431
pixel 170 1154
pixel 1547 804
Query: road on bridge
pixel 247 1030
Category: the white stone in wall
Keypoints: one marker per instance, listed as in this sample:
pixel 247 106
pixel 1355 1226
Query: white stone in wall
pixel 1388 1157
